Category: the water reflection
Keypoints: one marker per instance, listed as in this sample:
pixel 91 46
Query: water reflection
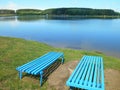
pixel 11 18
pixel 55 17
pixel 30 18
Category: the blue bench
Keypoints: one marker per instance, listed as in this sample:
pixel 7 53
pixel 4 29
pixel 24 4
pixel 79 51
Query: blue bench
pixel 88 74
pixel 37 66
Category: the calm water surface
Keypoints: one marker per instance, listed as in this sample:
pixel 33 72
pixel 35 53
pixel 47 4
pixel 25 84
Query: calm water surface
pixel 86 34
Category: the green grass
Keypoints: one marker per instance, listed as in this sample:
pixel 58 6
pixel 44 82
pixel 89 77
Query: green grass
pixel 15 52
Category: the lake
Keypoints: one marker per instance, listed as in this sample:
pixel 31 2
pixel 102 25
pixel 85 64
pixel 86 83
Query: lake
pixel 77 33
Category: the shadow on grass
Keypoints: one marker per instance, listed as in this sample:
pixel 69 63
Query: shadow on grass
pixel 77 89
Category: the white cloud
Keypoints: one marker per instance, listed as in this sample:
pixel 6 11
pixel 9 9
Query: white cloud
pixel 14 6
pixel 11 5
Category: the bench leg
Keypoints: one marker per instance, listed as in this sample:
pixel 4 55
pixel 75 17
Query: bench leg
pixel 20 74
pixel 71 88
pixel 62 60
pixel 41 77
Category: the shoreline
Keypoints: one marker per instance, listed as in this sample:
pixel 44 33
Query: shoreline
pixel 67 16
pixel 64 48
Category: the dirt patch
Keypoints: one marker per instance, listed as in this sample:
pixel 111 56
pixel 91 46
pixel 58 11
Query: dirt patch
pixel 58 78
pixel 31 79
pixel 112 79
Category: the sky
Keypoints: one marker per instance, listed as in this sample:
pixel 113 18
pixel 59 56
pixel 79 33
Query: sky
pixel 45 4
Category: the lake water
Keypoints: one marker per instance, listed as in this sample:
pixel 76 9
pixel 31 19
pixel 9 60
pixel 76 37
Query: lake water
pixel 87 34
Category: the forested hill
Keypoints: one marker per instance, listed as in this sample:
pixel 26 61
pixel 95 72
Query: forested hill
pixel 29 12
pixel 7 11
pixel 80 11
pixel 62 11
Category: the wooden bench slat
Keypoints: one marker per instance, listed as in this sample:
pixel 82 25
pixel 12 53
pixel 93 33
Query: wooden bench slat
pixel 84 72
pixel 38 64
pixel 88 74
pixel 32 62
pixel 52 61
pixel 95 73
pixel 46 65
pixel 41 65
pixel 80 74
pixel 102 73
pixel 77 74
pixel 27 67
pixel 74 74
pixel 98 74
pixel 92 71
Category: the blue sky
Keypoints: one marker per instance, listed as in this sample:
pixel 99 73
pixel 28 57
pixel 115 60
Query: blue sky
pixel 45 4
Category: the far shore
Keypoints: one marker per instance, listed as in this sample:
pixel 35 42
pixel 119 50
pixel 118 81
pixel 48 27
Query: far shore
pixel 67 16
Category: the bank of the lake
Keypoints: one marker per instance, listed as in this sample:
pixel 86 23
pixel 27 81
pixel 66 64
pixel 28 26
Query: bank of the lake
pixel 82 16
pixel 15 52
pixel 66 16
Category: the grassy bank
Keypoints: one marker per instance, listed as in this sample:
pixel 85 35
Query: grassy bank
pixel 15 52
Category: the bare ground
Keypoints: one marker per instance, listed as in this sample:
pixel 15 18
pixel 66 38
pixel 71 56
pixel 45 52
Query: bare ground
pixel 112 79
pixel 58 78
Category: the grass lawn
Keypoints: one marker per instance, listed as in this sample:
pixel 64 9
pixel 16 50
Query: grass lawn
pixel 15 52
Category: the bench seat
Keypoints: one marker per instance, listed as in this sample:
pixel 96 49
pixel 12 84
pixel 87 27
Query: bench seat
pixel 88 74
pixel 37 66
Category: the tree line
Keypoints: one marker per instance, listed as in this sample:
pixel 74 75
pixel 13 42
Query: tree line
pixel 80 11
pixel 61 11
pixel 6 11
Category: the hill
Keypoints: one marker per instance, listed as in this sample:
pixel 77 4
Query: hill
pixel 62 11
pixel 79 11
pixel 28 12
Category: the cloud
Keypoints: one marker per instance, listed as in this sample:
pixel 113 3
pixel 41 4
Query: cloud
pixel 14 6
pixel 11 5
